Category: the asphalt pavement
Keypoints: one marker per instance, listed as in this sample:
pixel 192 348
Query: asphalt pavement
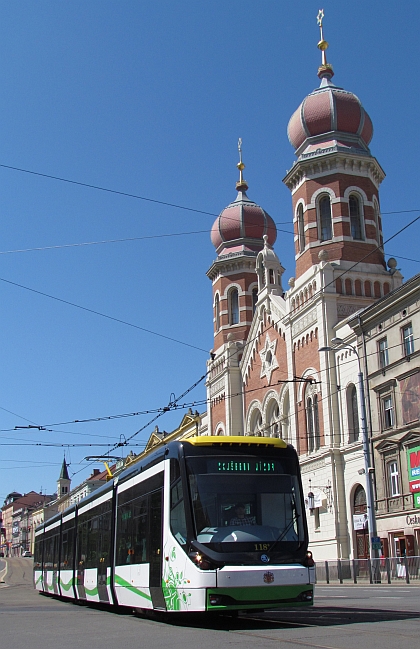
pixel 343 617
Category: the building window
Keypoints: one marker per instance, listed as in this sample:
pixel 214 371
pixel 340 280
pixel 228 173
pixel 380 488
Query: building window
pixel 355 217
pixel 408 340
pixel 217 310
pixel 388 417
pixel 312 423
pixel 301 228
pixel 254 299
pixel 383 352
pixel 394 479
pixel 353 414
pixel 234 306
pixel 325 218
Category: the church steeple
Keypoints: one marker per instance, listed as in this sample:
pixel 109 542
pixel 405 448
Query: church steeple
pixel 238 234
pixel 63 482
pixel 335 185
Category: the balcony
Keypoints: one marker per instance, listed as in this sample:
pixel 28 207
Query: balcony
pixel 393 504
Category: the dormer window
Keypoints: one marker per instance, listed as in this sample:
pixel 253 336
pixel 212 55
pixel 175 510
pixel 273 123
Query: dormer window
pixel 355 217
pixel 325 219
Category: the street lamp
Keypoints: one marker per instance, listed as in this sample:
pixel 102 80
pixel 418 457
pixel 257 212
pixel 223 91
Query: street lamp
pixel 338 343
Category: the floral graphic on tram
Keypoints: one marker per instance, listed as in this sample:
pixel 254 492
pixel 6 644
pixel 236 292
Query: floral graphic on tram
pixel 173 586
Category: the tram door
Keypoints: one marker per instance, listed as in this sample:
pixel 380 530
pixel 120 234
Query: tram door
pixel 156 549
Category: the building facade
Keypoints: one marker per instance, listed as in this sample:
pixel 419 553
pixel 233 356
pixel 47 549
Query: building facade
pixel 266 375
pixel 388 338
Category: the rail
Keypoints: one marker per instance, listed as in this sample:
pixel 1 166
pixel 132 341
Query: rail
pixel 385 570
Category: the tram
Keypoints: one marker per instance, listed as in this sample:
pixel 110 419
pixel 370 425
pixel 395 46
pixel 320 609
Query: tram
pixel 200 524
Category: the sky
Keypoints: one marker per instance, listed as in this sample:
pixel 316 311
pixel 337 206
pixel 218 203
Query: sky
pixel 105 307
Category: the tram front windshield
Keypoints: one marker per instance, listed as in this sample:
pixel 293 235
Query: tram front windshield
pixel 244 500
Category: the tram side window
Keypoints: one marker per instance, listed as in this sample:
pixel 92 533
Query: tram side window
pixel 178 522
pixel 132 531
pixel 67 549
pixel 104 545
pixel 92 543
pixel 94 537
pixel 81 544
pixel 51 551
pixel 48 551
pixel 133 521
pixel 39 542
pixel 139 548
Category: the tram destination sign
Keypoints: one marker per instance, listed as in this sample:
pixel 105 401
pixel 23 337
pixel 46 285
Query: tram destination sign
pixel 244 465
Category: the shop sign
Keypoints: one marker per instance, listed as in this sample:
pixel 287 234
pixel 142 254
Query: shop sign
pixel 413 520
pixel 413 458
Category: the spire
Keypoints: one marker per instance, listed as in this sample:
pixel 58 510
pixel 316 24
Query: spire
pixel 325 70
pixel 241 185
pixel 64 474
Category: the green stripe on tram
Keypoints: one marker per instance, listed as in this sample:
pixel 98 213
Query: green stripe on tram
pixel 119 581
pixel 92 592
pixel 68 585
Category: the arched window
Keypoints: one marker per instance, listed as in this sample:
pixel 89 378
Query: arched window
pixel 234 306
pixel 349 290
pixel 271 276
pixel 325 220
pixel 378 224
pixel 312 423
pixel 301 228
pixel 254 299
pixel 273 416
pixel 284 432
pixel 256 423
pixel 355 217
pixel 217 312
pixel 353 414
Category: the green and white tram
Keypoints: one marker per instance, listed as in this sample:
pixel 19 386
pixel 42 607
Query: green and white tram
pixel 202 524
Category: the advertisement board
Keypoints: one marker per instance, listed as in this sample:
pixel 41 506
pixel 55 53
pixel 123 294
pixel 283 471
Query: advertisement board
pixel 413 462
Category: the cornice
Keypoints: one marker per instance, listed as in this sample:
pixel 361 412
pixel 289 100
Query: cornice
pixel 232 262
pixel 330 161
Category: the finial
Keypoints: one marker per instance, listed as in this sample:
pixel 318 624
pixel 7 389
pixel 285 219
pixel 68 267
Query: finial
pixel 241 185
pixel 325 69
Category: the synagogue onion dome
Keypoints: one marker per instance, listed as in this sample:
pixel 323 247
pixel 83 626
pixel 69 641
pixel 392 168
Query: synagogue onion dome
pixel 330 119
pixel 241 226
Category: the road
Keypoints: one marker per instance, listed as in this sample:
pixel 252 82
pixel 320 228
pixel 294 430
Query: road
pixel 344 617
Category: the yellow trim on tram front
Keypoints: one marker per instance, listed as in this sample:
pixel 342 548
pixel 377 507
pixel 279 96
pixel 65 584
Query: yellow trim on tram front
pixel 220 440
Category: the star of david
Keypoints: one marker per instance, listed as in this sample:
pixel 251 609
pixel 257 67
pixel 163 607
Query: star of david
pixel 268 358
pixel 320 17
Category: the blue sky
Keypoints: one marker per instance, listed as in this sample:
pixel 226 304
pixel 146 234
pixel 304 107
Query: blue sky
pixel 149 98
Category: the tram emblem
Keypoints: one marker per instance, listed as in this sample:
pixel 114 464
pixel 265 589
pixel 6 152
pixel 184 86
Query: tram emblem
pixel 265 558
pixel 268 577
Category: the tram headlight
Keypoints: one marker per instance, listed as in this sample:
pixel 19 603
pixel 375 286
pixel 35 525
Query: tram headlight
pixel 309 560
pixel 201 561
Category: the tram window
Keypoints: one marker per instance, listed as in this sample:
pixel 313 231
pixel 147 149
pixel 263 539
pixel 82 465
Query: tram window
pixel 82 544
pixel 39 542
pixel 132 526
pixel 178 522
pixel 125 527
pixel 139 541
pixel 92 543
pixel 104 542
pixel 67 549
